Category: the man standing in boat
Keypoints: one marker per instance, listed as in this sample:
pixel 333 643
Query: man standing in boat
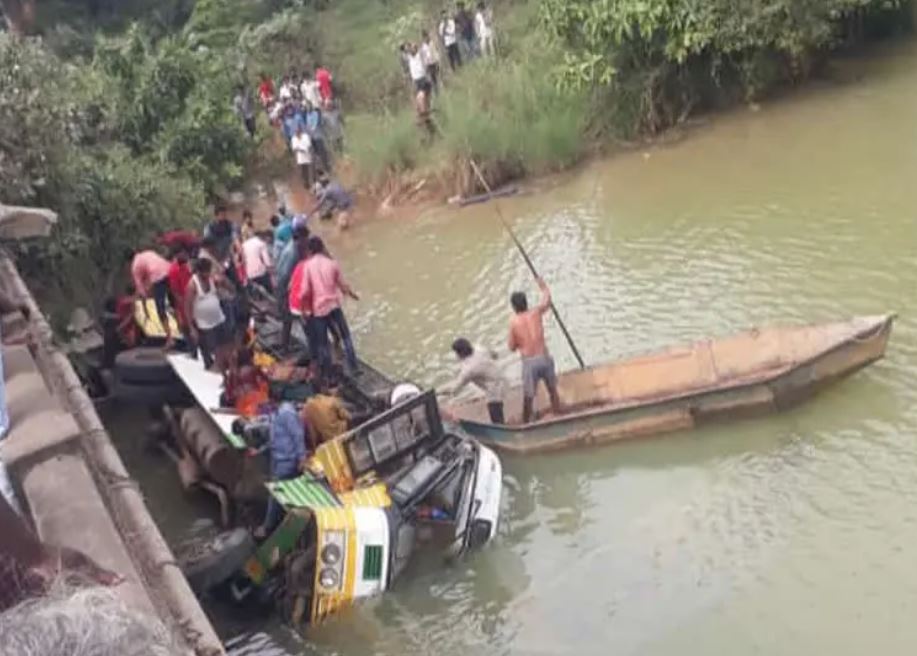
pixel 526 335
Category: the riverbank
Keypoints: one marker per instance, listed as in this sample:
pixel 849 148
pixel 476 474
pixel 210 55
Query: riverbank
pixel 522 114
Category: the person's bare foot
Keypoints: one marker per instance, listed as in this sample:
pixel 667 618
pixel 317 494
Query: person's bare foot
pixel 64 560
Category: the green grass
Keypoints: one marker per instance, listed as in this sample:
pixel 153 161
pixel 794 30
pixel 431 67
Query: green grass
pixel 507 116
pixel 384 145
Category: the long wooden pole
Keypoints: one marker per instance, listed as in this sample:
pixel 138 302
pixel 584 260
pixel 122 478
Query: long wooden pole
pixel 528 261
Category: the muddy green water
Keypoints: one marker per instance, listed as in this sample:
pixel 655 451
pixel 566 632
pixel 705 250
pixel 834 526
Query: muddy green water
pixel 792 534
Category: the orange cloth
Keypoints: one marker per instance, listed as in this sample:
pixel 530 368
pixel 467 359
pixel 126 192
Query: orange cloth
pixel 250 401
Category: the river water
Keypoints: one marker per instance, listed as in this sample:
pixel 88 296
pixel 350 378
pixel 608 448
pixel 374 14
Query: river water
pixel 789 534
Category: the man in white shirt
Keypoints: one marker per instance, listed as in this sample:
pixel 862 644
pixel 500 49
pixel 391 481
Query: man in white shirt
pixel 447 33
pixel 310 92
pixel 256 254
pixel 479 367
pixel 430 54
pixel 286 90
pixel 483 27
pixel 418 70
pixel 301 145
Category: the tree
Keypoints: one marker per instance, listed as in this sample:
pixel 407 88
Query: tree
pixel 19 15
pixel 662 53
pixel 53 154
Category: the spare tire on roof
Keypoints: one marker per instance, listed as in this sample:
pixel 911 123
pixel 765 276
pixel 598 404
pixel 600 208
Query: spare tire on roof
pixel 151 394
pixel 144 364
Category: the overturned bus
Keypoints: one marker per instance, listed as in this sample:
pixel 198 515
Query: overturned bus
pixel 367 500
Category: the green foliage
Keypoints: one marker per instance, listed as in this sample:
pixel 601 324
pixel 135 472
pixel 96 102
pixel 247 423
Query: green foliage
pixel 166 101
pixel 32 121
pixel 511 114
pixel 509 117
pixel 660 54
pixel 383 145
pixel 55 151
pixel 286 40
pixel 109 204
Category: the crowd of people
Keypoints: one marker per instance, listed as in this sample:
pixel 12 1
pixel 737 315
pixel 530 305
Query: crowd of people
pixel 304 109
pixel 210 283
pixel 463 36
pixel 207 281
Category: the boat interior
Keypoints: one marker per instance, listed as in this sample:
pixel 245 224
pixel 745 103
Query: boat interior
pixel 753 356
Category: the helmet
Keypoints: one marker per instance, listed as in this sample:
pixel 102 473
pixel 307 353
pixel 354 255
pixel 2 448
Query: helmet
pixel 404 392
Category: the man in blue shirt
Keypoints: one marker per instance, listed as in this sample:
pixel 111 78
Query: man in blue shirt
pixel 333 199
pixel 283 231
pixel 313 120
pixel 287 452
pixel 292 120
pixel 289 257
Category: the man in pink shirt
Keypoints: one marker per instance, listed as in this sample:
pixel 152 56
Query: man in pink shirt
pixel 150 272
pixel 321 295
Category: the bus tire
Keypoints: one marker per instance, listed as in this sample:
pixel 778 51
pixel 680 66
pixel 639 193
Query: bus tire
pixel 150 394
pixel 144 364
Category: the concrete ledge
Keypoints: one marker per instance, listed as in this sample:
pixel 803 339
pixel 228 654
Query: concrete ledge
pixel 76 487
pixel 37 421
pixel 36 434
pixel 22 222
pixel 82 522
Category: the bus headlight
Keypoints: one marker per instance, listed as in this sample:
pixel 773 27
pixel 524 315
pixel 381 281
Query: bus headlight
pixel 328 578
pixel 331 554
pixel 331 560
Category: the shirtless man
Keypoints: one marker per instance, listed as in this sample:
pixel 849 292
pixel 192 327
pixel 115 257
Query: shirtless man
pixel 526 335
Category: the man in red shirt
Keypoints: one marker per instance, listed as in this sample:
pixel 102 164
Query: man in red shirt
pixel 179 277
pixel 266 91
pixel 323 77
pixel 526 335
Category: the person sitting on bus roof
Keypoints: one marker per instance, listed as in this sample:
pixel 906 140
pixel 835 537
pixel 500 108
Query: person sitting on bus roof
pixel 287 456
pixel 324 413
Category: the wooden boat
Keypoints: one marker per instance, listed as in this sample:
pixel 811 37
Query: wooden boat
pixel 757 371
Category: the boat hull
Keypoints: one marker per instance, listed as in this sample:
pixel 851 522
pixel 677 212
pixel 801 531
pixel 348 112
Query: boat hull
pixel 783 390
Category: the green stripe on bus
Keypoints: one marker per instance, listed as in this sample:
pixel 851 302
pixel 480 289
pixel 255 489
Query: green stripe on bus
pixel 303 492
pixel 372 563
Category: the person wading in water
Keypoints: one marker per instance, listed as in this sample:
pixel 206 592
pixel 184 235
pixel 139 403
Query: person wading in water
pixel 526 335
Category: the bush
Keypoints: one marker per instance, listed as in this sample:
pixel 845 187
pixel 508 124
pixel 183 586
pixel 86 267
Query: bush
pixel 53 153
pixel 169 102
pixel 511 113
pixel 664 57
pixel 384 145
pixel 507 116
